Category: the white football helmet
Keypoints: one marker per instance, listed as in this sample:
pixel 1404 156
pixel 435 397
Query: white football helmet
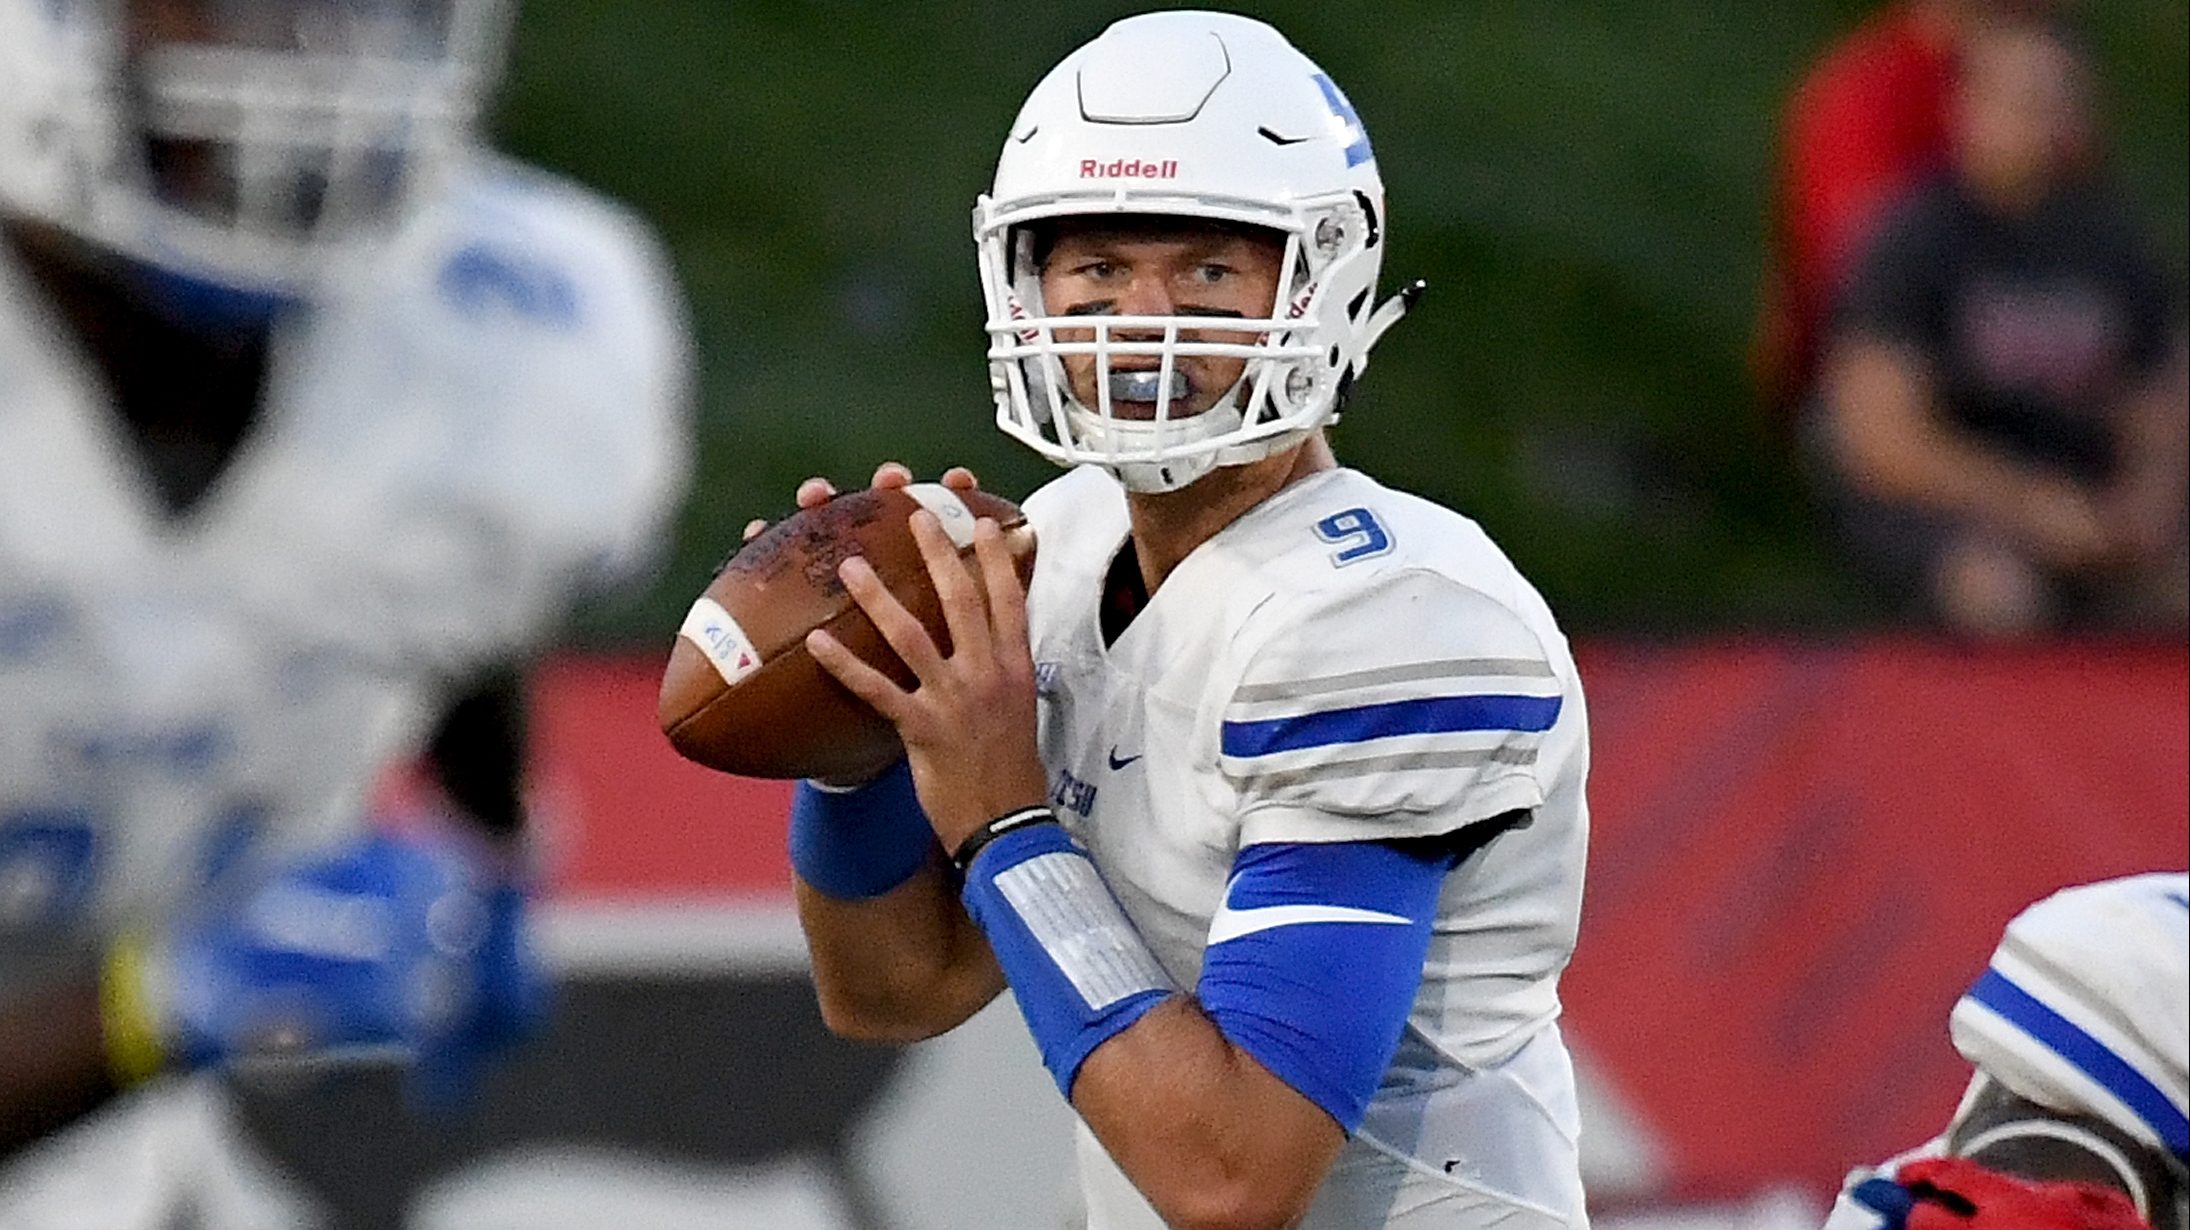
pixel 244 143
pixel 1196 115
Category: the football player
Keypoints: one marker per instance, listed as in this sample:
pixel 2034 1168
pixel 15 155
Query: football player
pixel 1266 802
pixel 314 416
pixel 2075 1115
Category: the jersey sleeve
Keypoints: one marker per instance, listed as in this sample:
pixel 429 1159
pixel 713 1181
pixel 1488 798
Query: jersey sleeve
pixel 531 462
pixel 1411 707
pixel 1314 960
pixel 2085 1007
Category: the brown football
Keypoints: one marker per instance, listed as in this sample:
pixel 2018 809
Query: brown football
pixel 742 695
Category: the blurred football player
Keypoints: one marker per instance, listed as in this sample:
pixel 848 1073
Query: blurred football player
pixel 2075 1116
pixel 314 416
pixel 1267 801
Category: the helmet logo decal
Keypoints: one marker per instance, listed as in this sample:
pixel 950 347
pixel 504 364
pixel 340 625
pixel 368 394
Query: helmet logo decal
pixel 1128 168
pixel 1358 152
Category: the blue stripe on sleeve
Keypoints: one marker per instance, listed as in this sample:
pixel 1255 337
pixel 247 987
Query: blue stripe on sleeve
pixel 1322 1004
pixel 1430 715
pixel 2120 1078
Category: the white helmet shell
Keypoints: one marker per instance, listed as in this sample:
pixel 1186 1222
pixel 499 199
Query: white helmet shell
pixel 1193 115
pixel 309 128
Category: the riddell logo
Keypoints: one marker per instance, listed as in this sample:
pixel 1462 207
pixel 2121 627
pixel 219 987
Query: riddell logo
pixel 1128 168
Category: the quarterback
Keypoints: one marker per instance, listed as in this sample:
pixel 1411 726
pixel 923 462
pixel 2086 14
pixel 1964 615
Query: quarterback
pixel 1266 801
pixel 313 416
pixel 2079 1031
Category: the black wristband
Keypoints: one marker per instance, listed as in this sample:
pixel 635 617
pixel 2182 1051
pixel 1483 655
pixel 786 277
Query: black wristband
pixel 979 839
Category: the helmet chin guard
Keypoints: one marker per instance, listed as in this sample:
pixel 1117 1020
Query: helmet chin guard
pixel 250 150
pixel 1205 117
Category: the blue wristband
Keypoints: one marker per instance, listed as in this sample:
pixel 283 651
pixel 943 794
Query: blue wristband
pixel 1079 970
pixel 855 844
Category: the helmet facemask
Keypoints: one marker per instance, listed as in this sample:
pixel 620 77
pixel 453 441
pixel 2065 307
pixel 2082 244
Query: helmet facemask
pixel 1297 354
pixel 248 143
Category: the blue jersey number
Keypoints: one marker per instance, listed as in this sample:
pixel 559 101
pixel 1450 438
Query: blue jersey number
pixel 1359 529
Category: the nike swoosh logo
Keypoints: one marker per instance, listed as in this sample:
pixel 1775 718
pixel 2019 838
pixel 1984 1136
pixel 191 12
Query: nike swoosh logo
pixel 1118 762
pixel 1231 924
pixel 1275 139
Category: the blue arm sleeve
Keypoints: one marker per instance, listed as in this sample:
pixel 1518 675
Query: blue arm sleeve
pixel 1314 959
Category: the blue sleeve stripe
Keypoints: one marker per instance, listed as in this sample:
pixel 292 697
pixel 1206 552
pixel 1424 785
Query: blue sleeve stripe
pixel 2116 1075
pixel 1316 997
pixel 1432 715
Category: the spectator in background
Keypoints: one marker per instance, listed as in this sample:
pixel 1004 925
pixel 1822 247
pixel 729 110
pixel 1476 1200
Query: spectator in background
pixel 1869 119
pixel 2001 413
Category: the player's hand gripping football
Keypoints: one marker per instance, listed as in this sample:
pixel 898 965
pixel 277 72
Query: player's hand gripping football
pixel 969 726
pixel 815 492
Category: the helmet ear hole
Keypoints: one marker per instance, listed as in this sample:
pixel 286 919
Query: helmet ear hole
pixel 1368 215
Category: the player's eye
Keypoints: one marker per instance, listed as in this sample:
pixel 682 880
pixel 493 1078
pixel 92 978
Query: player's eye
pixel 1208 273
pixel 1096 269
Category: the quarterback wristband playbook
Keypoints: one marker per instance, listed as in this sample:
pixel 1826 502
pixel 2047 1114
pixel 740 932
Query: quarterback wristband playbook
pixel 1079 970
pixel 862 842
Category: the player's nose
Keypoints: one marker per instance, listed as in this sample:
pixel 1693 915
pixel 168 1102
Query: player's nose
pixel 1147 293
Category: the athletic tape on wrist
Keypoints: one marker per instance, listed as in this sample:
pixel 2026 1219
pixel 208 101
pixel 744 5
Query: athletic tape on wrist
pixel 855 844
pixel 1079 970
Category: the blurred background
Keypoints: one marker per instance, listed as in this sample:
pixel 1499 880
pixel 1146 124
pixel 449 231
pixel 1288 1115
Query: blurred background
pixel 1814 808
pixel 1586 188
pixel 1815 802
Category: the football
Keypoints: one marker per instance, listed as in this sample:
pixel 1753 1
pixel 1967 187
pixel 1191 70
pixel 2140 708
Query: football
pixel 742 695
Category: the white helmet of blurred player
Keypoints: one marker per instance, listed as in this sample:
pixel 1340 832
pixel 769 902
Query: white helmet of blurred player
pixel 1193 115
pixel 242 143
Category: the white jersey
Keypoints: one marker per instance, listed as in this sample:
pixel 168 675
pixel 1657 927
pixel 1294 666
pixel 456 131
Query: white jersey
pixel 2084 1009
pixel 450 442
pixel 1345 610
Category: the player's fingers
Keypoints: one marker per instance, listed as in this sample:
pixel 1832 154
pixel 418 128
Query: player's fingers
pixel 959 478
pixel 892 474
pixel 891 619
pixel 754 529
pixel 954 588
pixel 858 678
pixel 815 492
pixel 1007 602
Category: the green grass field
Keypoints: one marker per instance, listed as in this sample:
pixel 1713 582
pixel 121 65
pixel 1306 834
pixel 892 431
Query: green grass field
pixel 1582 185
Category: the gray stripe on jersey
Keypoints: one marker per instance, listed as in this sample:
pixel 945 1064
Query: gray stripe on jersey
pixel 1071 914
pixel 1466 758
pixel 1409 672
pixel 2098 1006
